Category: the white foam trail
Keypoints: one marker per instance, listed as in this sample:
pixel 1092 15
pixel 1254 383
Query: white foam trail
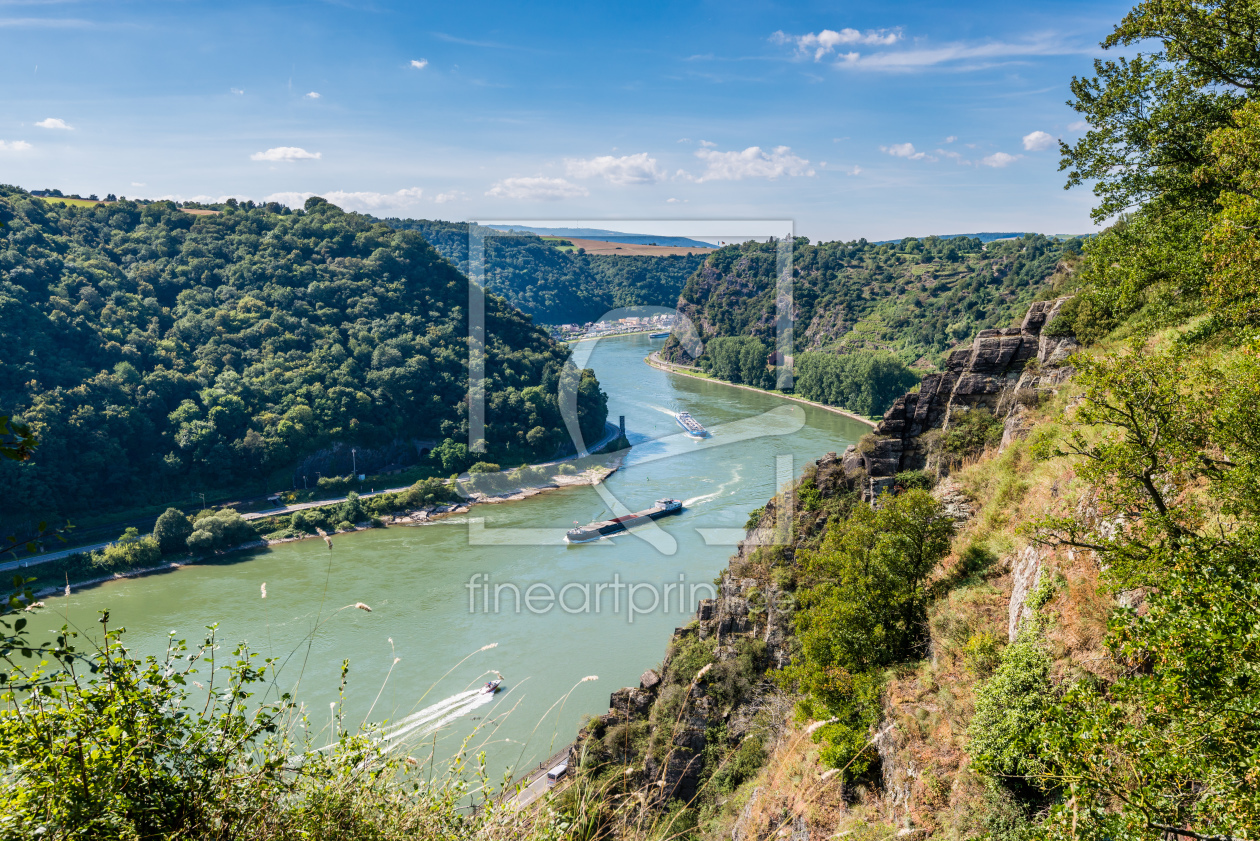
pixel 440 714
pixel 662 409
pixel 735 477
pixel 428 719
pixel 427 727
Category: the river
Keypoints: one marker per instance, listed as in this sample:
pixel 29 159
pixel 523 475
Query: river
pixel 429 612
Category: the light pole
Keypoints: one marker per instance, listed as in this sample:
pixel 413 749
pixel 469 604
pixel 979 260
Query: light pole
pixel 354 463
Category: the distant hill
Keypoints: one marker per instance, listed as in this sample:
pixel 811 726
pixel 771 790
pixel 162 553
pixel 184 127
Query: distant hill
pixel 608 236
pixel 559 287
pixel 991 236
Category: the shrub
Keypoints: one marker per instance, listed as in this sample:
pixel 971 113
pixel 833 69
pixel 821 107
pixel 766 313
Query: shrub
pixel 130 552
pixel 300 521
pixel 915 479
pixel 345 525
pixel 351 510
pixel 337 484
pixel 152 759
pixel 982 653
pixel 171 531
pixel 1009 707
pixel 970 432
pixel 219 530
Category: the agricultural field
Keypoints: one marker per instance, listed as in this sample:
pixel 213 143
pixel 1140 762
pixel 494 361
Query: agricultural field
pixel 621 249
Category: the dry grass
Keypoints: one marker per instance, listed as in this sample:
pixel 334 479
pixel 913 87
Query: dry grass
pixel 793 786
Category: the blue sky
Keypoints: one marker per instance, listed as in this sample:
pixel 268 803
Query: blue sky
pixel 876 120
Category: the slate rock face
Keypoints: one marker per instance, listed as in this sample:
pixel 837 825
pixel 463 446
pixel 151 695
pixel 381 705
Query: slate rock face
pixel 988 374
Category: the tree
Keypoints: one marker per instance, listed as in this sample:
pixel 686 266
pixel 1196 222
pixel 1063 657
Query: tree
pixel 1170 444
pixel 1151 116
pixel 451 455
pixel 171 531
pixel 863 609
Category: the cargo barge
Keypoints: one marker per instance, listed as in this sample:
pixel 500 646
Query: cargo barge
pixel 690 425
pixel 595 531
pixel 664 335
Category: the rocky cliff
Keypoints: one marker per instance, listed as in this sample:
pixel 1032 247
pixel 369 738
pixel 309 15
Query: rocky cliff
pixel 1003 371
pixel 661 731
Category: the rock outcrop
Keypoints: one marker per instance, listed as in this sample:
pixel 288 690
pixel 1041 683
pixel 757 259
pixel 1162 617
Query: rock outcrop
pixel 1003 371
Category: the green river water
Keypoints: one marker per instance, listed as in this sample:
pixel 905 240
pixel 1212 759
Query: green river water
pixel 416 579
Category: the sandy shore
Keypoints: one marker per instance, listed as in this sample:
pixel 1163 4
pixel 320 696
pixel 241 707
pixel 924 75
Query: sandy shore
pixel 428 515
pixel 654 360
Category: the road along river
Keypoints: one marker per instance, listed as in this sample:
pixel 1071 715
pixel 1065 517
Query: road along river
pixel 433 589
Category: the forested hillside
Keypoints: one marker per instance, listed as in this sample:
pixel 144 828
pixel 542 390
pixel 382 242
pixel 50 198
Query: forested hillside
pixel 157 353
pixel 558 287
pixel 868 319
pixel 915 298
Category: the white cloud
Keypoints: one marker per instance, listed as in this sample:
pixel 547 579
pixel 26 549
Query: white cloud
pixel 956 157
pixel 54 122
pixel 999 159
pixel 750 163
pixel 536 188
pixel 675 201
pixel 312 95
pixel 138 184
pixel 708 144
pixel 285 153
pixel 976 56
pixel 453 195
pixel 951 138
pixel 1037 141
pixel 627 169
pixel 857 170
pixel 14 146
pixel 361 201
pixel 1079 125
pixel 906 150
pixel 826 41
pixel 420 63
pixel 237 91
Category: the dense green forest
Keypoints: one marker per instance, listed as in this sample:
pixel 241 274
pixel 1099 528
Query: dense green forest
pixel 156 353
pixel 865 382
pixel 915 298
pixel 560 287
pixel 868 319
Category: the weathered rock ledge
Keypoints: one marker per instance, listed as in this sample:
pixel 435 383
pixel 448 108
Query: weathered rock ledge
pixel 1003 371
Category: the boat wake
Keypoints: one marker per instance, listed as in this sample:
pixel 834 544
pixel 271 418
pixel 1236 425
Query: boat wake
pixel 696 500
pixel 431 718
